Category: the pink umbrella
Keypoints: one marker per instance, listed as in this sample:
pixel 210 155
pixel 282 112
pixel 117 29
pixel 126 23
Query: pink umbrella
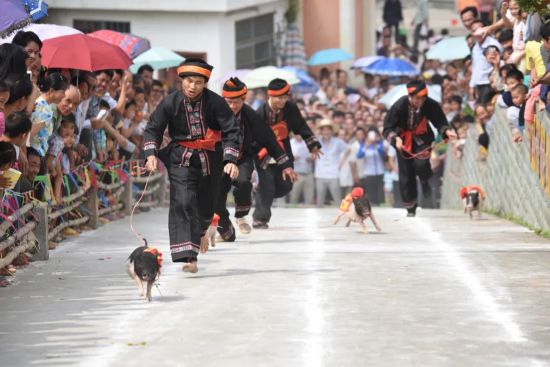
pixel 132 45
pixel 82 52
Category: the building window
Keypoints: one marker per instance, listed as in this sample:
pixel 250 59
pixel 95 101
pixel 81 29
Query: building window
pixel 255 42
pixel 89 26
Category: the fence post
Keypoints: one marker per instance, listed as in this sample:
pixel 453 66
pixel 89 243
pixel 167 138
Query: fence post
pixel 94 208
pixel 41 232
pixel 128 196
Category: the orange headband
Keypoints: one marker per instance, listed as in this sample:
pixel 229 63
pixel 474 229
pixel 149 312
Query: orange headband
pixel 421 93
pixel 194 69
pixel 280 92
pixel 234 93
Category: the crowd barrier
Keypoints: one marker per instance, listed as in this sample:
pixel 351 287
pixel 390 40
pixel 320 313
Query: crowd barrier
pixel 515 177
pixel 30 220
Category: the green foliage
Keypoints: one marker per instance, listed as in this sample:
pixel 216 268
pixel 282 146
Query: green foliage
pixel 509 217
pixel 291 13
pixel 532 6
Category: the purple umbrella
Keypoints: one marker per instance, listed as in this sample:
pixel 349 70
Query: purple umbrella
pixel 12 17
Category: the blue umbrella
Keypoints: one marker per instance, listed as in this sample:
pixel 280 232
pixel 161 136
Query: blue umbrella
pixel 391 67
pixel 363 62
pixel 37 9
pixel 12 17
pixel 328 56
pixel 449 49
pixel 306 85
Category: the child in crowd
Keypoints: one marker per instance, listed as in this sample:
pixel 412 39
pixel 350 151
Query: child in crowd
pixel 513 79
pixel 7 159
pixel 516 112
pixel 60 158
pixel 100 136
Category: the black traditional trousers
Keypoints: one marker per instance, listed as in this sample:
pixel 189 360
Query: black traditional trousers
pixel 409 169
pixel 271 186
pixel 191 200
pixel 243 198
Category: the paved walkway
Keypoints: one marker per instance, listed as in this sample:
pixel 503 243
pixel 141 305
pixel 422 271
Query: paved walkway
pixel 436 290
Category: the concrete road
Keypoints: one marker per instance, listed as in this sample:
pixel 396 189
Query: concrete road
pixel 436 290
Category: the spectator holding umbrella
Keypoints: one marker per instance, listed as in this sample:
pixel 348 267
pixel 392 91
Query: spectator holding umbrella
pixel 393 15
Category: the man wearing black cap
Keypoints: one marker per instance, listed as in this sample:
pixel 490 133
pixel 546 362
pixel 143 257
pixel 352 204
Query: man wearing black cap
pixel 407 128
pixel 256 135
pixel 282 116
pixel 205 136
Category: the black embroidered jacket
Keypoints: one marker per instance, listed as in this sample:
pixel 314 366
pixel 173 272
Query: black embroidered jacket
pixel 291 116
pixel 402 118
pixel 187 121
pixel 258 135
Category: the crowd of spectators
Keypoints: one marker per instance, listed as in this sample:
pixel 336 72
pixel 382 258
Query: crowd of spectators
pixel 53 121
pixel 507 68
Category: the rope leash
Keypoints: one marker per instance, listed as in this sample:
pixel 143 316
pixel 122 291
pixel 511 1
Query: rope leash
pixel 136 233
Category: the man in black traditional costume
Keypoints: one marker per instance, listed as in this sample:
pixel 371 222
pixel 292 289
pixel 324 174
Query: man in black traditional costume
pixel 407 128
pixel 205 144
pixel 255 135
pixel 283 116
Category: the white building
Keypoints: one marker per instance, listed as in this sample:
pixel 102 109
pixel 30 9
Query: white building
pixel 229 34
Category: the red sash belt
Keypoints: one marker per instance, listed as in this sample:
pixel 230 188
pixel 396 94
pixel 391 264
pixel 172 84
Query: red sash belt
pixel 407 135
pixel 281 133
pixel 208 143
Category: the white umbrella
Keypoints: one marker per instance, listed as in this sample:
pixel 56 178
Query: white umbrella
pixel 434 92
pixel 260 77
pixel 45 31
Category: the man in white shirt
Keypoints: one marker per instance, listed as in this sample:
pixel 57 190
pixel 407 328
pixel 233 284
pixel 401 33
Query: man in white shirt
pixel 303 166
pixel 327 167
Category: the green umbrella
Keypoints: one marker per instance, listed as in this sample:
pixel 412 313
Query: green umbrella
pixel 158 58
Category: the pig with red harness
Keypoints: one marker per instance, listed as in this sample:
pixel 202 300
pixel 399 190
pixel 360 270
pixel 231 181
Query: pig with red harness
pixel 357 208
pixel 472 198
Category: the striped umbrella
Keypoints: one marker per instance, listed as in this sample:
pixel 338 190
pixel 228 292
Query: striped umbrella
pixel 132 45
pixel 12 17
pixel 294 53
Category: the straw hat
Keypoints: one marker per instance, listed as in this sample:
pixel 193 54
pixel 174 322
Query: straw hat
pixel 326 123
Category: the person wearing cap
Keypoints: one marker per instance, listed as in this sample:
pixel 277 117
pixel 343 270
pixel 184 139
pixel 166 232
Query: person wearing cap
pixel 256 136
pixel 283 117
pixel 205 142
pixel 327 168
pixel 406 127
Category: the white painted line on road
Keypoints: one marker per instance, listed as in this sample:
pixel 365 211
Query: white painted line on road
pixel 312 307
pixel 482 296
